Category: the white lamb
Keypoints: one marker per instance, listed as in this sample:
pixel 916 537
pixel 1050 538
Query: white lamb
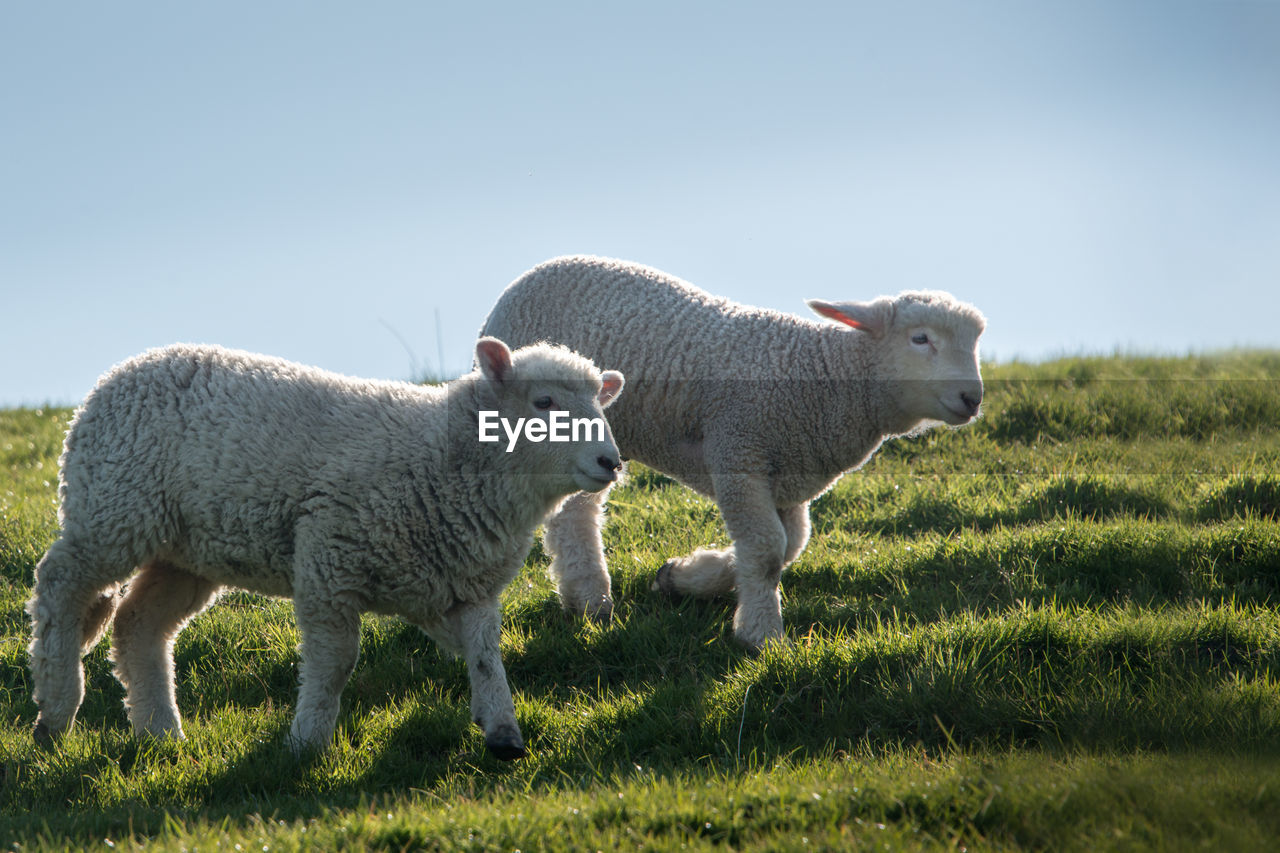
pixel 760 410
pixel 206 468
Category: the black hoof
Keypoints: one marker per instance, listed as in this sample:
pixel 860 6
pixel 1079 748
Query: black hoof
pixel 506 750
pixel 600 611
pixel 41 734
pixel 664 583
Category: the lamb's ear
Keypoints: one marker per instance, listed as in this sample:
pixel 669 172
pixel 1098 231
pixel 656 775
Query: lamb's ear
pixel 610 387
pixel 494 359
pixel 870 317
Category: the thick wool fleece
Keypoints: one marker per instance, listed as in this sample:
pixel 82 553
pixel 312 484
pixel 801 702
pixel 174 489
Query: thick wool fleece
pixel 759 409
pixel 208 468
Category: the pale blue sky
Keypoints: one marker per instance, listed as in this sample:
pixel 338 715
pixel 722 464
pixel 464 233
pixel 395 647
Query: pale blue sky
pixel 302 178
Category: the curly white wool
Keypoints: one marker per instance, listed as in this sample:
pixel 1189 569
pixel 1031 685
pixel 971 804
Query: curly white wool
pixel 205 468
pixel 761 410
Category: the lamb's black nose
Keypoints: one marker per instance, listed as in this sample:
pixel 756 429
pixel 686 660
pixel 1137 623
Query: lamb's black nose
pixel 608 463
pixel 972 401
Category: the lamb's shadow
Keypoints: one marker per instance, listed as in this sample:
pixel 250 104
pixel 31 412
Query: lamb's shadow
pixel 692 700
pixel 664 654
pixel 425 747
pixel 692 697
pixel 262 776
pixel 562 662
pixel 658 655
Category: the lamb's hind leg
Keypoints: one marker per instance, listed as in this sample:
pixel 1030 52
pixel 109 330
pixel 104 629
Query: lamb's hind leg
pixel 572 538
pixel 70 609
pixel 157 605
pixel 795 522
pixel 709 572
pixel 706 573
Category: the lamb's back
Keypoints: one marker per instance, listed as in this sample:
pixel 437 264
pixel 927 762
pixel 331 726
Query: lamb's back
pixel 216 452
pixel 694 362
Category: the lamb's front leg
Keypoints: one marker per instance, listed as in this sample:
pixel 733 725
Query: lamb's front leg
pixel 760 546
pixel 572 538
pixel 330 632
pixel 477 629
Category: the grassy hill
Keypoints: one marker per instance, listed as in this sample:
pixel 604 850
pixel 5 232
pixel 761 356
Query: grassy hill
pixel 1057 628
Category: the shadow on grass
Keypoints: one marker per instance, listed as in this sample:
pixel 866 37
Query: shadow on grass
pixel 1095 498
pixel 1087 497
pixel 1246 495
pixel 665 688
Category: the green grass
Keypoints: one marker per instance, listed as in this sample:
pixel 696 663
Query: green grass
pixel 1056 628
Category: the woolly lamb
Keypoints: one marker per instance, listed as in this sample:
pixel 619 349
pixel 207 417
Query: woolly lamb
pixel 760 410
pixel 206 468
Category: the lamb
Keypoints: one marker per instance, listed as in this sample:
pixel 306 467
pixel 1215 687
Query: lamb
pixel 207 468
pixel 760 410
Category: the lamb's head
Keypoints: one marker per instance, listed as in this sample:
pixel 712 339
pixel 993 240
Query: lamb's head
pixel 549 404
pixel 927 350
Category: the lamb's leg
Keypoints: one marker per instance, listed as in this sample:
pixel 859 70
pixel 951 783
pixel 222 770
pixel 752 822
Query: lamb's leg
pixel 706 573
pixel 709 572
pixel 156 607
pixel 330 648
pixel 477 628
pixel 572 538
pixel 795 521
pixel 760 545
pixel 71 605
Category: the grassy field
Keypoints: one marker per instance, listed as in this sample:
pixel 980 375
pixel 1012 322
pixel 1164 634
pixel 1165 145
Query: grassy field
pixel 1056 629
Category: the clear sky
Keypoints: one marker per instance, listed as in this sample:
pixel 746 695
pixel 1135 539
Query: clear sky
pixel 322 181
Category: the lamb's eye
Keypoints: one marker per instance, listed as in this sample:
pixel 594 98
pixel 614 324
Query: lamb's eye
pixel 542 404
pixel 920 339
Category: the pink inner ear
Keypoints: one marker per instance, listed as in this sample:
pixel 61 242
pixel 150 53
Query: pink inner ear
pixel 496 358
pixel 609 387
pixel 839 316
